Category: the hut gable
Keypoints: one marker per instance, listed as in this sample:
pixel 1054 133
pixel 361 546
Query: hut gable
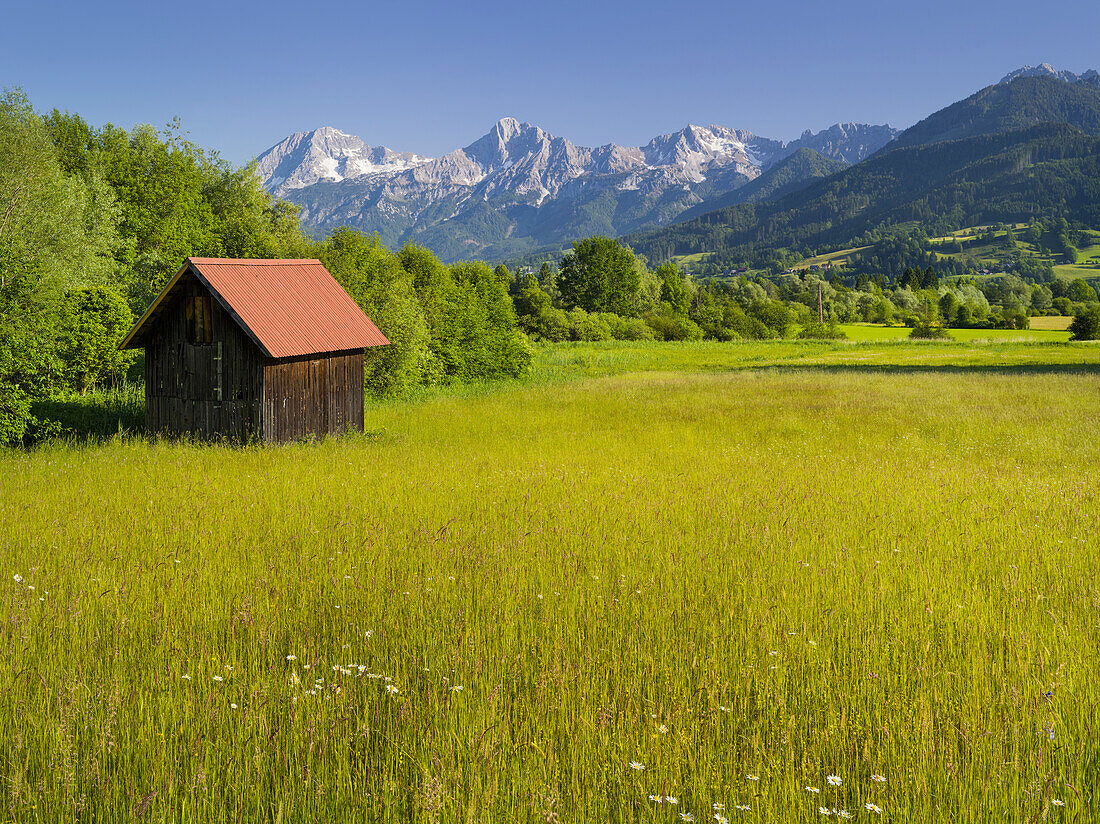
pixel 269 349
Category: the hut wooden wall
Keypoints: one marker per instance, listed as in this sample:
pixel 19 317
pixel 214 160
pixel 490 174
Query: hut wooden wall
pixel 207 390
pixel 318 394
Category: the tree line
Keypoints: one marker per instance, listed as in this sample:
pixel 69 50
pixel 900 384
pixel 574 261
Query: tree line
pixel 95 221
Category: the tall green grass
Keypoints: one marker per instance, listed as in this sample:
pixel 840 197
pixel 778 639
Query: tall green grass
pixel 741 576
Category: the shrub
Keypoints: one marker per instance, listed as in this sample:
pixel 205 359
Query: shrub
pixel 667 326
pixel 821 331
pixel 928 330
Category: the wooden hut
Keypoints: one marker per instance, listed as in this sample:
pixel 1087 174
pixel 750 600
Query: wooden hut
pixel 253 349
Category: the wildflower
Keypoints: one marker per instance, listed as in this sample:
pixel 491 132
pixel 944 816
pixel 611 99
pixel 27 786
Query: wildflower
pixel 824 810
pixel 879 778
pixel 773 652
pixel 218 678
pixel 17 578
pixel 391 689
pixel 457 688
pixel 874 808
pixel 687 817
pixel 656 799
pixel 637 765
pixel 1057 802
pixel 834 780
pixel 292 658
pixel 662 728
pixel 721 819
pixel 752 777
pixel 718 806
pixel 725 709
pixel 234 706
pixel 671 799
pixel 744 807
pixel 186 677
pixel 844 813
pixel 813 790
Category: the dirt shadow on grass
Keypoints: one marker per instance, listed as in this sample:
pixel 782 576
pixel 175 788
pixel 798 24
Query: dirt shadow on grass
pixel 1021 369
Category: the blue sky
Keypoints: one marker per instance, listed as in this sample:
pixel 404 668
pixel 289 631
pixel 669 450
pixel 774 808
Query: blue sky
pixel 433 76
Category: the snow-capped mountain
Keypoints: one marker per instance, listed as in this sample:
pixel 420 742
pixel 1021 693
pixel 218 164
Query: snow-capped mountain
pixel 327 154
pixel 1047 70
pixel 518 186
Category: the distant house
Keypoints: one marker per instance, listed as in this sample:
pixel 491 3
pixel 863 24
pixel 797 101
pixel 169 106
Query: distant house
pixel 253 349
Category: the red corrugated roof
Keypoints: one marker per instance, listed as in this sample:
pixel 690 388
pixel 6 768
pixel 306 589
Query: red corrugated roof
pixel 289 307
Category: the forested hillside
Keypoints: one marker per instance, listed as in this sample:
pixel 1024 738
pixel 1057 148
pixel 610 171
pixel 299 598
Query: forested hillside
pixel 1048 170
pixel 1005 107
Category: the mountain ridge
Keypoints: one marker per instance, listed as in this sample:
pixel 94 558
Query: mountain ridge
pixel 522 172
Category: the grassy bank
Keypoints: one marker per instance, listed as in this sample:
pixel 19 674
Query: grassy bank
pixel 742 567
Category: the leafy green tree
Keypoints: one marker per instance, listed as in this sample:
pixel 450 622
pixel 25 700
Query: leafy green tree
pixel 775 316
pixel 376 280
pixel 883 311
pixel 1079 291
pixel 1086 324
pixel 599 275
pixel 674 290
pixel 93 323
pixel 54 235
pixel 949 305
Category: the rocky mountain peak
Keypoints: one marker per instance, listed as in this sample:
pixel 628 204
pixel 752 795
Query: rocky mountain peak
pixel 326 153
pixel 506 143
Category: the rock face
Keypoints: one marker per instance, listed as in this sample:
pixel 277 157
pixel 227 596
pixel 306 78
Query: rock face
pixel 519 187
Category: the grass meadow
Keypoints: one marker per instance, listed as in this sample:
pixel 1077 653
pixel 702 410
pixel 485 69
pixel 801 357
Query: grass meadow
pixel 657 583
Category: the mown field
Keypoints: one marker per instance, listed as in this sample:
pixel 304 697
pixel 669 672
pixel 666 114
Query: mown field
pixel 714 575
